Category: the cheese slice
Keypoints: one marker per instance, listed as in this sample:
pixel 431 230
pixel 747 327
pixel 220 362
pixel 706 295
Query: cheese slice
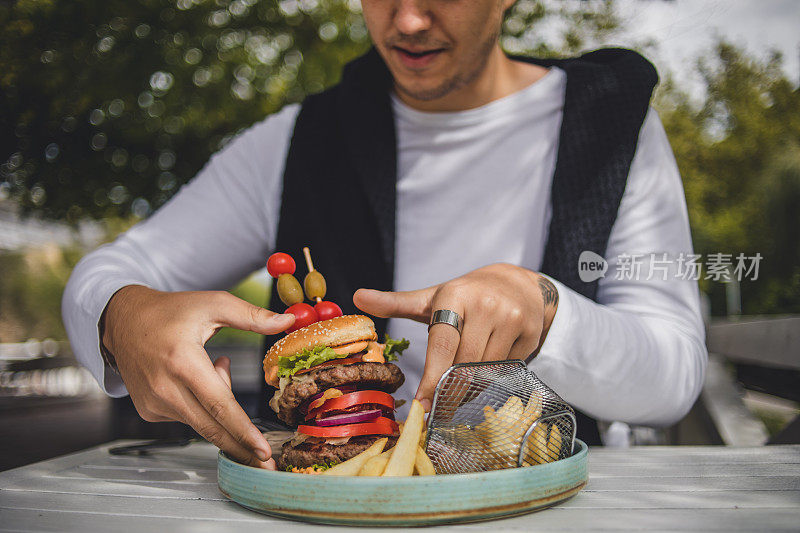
pixel 374 353
pixel 353 347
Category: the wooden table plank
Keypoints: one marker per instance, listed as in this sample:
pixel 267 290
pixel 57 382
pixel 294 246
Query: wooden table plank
pixel 697 484
pixel 693 455
pixel 197 508
pixel 652 488
pixel 555 519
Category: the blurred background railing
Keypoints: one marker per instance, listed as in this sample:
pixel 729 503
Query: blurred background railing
pixel 752 385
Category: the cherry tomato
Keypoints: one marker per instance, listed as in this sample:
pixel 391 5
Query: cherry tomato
pixel 379 426
pixel 327 310
pixel 280 263
pixel 304 315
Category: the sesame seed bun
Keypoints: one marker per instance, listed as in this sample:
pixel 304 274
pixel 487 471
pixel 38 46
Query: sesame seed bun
pixel 334 332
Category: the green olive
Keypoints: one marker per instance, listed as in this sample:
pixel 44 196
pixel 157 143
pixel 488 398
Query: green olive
pixel 289 290
pixel 315 285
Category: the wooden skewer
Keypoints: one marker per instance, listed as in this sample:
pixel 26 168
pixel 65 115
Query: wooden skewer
pixel 310 265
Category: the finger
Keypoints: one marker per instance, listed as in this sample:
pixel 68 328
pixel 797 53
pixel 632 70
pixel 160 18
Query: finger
pixel 442 345
pixel 217 399
pixel 443 341
pixel 223 367
pixel 193 413
pixel 473 340
pixel 415 305
pixel 498 348
pixel 524 347
pixel 234 312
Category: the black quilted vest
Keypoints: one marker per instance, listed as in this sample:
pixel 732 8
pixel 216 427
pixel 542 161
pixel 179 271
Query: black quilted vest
pixel 339 179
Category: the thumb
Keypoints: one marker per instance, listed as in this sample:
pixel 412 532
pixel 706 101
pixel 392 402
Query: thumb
pixel 415 305
pixel 235 313
pixel 223 367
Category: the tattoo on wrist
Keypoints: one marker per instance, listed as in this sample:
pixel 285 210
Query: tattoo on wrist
pixel 549 292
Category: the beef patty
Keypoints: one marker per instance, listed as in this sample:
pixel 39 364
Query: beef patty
pixel 314 451
pixel 367 376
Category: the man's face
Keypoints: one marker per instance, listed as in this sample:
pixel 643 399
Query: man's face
pixel 434 47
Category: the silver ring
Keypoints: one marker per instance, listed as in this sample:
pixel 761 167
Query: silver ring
pixel 446 316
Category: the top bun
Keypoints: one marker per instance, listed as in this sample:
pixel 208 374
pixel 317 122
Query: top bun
pixel 334 332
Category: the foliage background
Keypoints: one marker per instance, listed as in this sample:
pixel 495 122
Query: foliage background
pixel 107 107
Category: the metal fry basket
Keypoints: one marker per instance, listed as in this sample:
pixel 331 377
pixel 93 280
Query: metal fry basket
pixel 494 415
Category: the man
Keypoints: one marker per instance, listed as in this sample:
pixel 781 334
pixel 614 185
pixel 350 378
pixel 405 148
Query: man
pixel 448 172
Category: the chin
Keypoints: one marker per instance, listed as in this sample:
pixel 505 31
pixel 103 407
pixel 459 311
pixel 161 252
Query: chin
pixel 425 91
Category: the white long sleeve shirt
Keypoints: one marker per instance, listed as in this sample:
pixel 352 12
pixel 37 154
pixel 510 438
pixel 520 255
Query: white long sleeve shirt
pixel 473 189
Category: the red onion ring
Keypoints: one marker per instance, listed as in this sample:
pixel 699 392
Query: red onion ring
pixel 350 418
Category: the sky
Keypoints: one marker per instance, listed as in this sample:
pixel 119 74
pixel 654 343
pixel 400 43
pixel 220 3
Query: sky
pixel 684 29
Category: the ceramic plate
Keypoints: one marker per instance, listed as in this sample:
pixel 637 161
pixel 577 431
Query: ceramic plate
pixel 404 501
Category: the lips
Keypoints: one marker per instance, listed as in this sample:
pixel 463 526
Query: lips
pixel 416 59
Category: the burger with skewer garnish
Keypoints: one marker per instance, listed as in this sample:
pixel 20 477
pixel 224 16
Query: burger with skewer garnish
pixel 334 382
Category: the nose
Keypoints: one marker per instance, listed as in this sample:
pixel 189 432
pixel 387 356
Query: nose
pixel 412 16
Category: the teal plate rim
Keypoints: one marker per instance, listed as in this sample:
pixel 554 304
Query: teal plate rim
pixel 403 501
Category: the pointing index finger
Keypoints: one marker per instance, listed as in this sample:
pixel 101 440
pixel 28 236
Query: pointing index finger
pixel 216 397
pixel 443 341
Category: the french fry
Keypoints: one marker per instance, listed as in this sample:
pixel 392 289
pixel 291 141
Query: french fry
pixel 532 411
pixel 501 446
pixel 484 427
pixel 497 434
pixel 534 406
pixel 502 431
pixel 541 448
pixel 554 443
pixel 374 466
pixel 511 410
pixel 422 464
pixel 536 452
pixel 404 453
pixel 352 466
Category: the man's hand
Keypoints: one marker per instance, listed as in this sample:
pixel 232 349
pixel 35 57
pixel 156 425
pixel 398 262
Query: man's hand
pixel 506 311
pixel 157 340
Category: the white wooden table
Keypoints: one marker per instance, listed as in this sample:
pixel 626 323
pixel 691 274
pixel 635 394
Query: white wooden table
pixel 645 488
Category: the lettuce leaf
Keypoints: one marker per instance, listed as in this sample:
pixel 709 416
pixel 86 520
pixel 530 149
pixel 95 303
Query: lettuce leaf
pixel 316 467
pixel 291 364
pixel 394 348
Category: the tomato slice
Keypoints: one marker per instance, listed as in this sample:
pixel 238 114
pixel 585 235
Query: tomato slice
pixel 345 361
pixel 379 426
pixel 352 399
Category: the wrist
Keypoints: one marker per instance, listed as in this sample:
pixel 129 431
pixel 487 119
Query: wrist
pixel 550 300
pixel 108 358
pixel 107 325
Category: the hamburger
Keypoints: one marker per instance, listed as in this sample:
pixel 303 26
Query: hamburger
pixel 334 383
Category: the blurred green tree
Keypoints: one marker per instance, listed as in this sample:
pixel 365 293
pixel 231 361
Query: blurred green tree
pixel 738 151
pixel 108 106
